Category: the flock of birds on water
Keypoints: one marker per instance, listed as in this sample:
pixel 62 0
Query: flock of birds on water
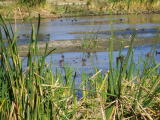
pixel 83 60
pixel 46 37
pixel 62 60
pixel 73 20
pixel 118 58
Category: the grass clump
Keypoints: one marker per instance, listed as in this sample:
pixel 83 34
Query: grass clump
pixel 89 42
pixel 34 92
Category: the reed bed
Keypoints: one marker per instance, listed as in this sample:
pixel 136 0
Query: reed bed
pixel 126 91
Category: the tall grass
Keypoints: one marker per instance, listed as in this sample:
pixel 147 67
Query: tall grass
pixel 32 2
pixel 34 92
pixel 124 6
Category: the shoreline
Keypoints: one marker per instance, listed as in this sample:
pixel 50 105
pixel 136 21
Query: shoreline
pixel 70 16
pixel 23 12
pixel 52 16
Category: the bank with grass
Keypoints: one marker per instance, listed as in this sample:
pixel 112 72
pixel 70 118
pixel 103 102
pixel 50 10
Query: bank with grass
pixel 27 9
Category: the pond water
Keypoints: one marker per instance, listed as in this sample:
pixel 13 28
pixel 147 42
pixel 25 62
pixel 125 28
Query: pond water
pixel 145 26
pixel 75 28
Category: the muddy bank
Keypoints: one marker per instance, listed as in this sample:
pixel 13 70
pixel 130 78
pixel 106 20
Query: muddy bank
pixel 76 45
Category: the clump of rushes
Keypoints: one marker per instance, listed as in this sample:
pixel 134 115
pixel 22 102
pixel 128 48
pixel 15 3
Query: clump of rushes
pixel 33 93
pixel 89 42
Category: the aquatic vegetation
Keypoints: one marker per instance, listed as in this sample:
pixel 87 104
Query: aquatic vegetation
pixel 89 41
pixel 35 92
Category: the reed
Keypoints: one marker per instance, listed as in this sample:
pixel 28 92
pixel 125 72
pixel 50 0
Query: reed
pixel 35 92
pixel 89 41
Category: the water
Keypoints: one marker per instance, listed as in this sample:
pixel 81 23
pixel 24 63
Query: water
pixel 145 26
pixel 60 28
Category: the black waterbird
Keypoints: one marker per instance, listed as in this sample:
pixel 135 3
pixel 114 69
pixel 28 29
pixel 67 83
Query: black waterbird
pixel 157 53
pixel 61 61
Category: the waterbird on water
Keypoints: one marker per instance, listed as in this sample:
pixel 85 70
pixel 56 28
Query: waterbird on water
pixel 74 20
pixel 120 58
pixel 83 62
pixel 157 53
pixel 149 54
pixel 61 61
pixel 47 34
pixel 127 29
pixel 120 19
pixel 18 37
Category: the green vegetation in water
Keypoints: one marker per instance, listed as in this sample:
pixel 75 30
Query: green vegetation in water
pixel 35 92
pixel 89 42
